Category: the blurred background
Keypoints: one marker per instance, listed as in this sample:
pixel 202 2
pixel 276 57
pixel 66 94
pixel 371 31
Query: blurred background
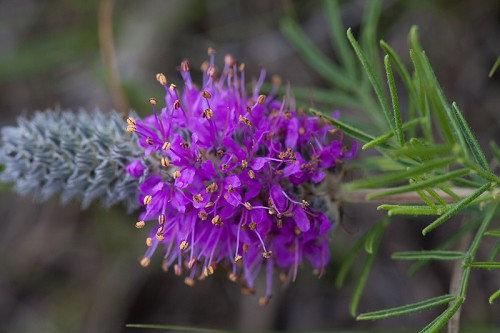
pixel 67 270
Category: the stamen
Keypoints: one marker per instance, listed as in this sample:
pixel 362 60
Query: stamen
pixel 217 221
pixel 131 121
pixel 237 258
pixel 131 128
pixel 261 99
pixel 149 141
pixel 209 204
pixel 177 104
pixel 177 270
pixel 189 281
pixel 247 121
pixel 185 65
pixel 176 174
pixel 267 254
pixel 149 241
pixel 160 77
pixel 147 199
pixel 160 237
pixel 251 174
pixel 233 277
pixel 145 262
pixel 166 145
pixel 252 225
pixel 184 245
pixel 207 113
pixel 152 101
pixel 206 94
pixel 140 224
pixel 197 198
pixel 165 162
pixel 161 219
pixel 263 301
pixel 211 188
pixel 248 205
pixel 203 216
pixel 244 164
pixel 172 87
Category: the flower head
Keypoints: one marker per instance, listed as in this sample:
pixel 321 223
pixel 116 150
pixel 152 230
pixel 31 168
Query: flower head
pixel 232 178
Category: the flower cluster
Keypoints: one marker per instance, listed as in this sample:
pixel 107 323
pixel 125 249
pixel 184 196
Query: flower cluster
pixel 233 177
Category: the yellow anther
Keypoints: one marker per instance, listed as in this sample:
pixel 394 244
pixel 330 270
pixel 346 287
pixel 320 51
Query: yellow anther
pixel 267 255
pixel 131 128
pixel 165 162
pixel 166 145
pixel 172 87
pixel 176 174
pixel 248 205
pixel 184 245
pixel 160 77
pixel 140 224
pixel 147 199
pixel 244 120
pixel 251 174
pixel 203 216
pixel 206 94
pixel 209 204
pixel 211 188
pixel 152 101
pixel 217 221
pixel 161 219
pixel 207 113
pixel 145 262
pixel 237 258
pixel 197 198
pixel 261 99
pixel 149 241
pixel 189 281
pixel 131 121
pixel 177 104
pixel 244 163
pixel 252 226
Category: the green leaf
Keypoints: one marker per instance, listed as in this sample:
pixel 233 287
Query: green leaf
pixel 314 57
pixel 470 138
pixel 442 319
pixel 348 129
pixel 384 137
pixel 481 172
pixel 377 87
pixel 399 176
pixel 403 72
pixel 432 254
pixel 495 295
pixel 495 67
pixel 398 122
pixel 406 309
pixel 494 233
pixel 455 209
pixel 425 151
pixel 367 265
pixel 338 36
pixel 485 264
pixel 426 183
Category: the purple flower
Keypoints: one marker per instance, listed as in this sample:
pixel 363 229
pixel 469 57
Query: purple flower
pixel 231 178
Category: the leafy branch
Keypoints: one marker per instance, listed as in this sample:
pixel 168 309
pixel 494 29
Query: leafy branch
pixel 437 166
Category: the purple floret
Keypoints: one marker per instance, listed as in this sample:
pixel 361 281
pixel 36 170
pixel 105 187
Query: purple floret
pixel 229 179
